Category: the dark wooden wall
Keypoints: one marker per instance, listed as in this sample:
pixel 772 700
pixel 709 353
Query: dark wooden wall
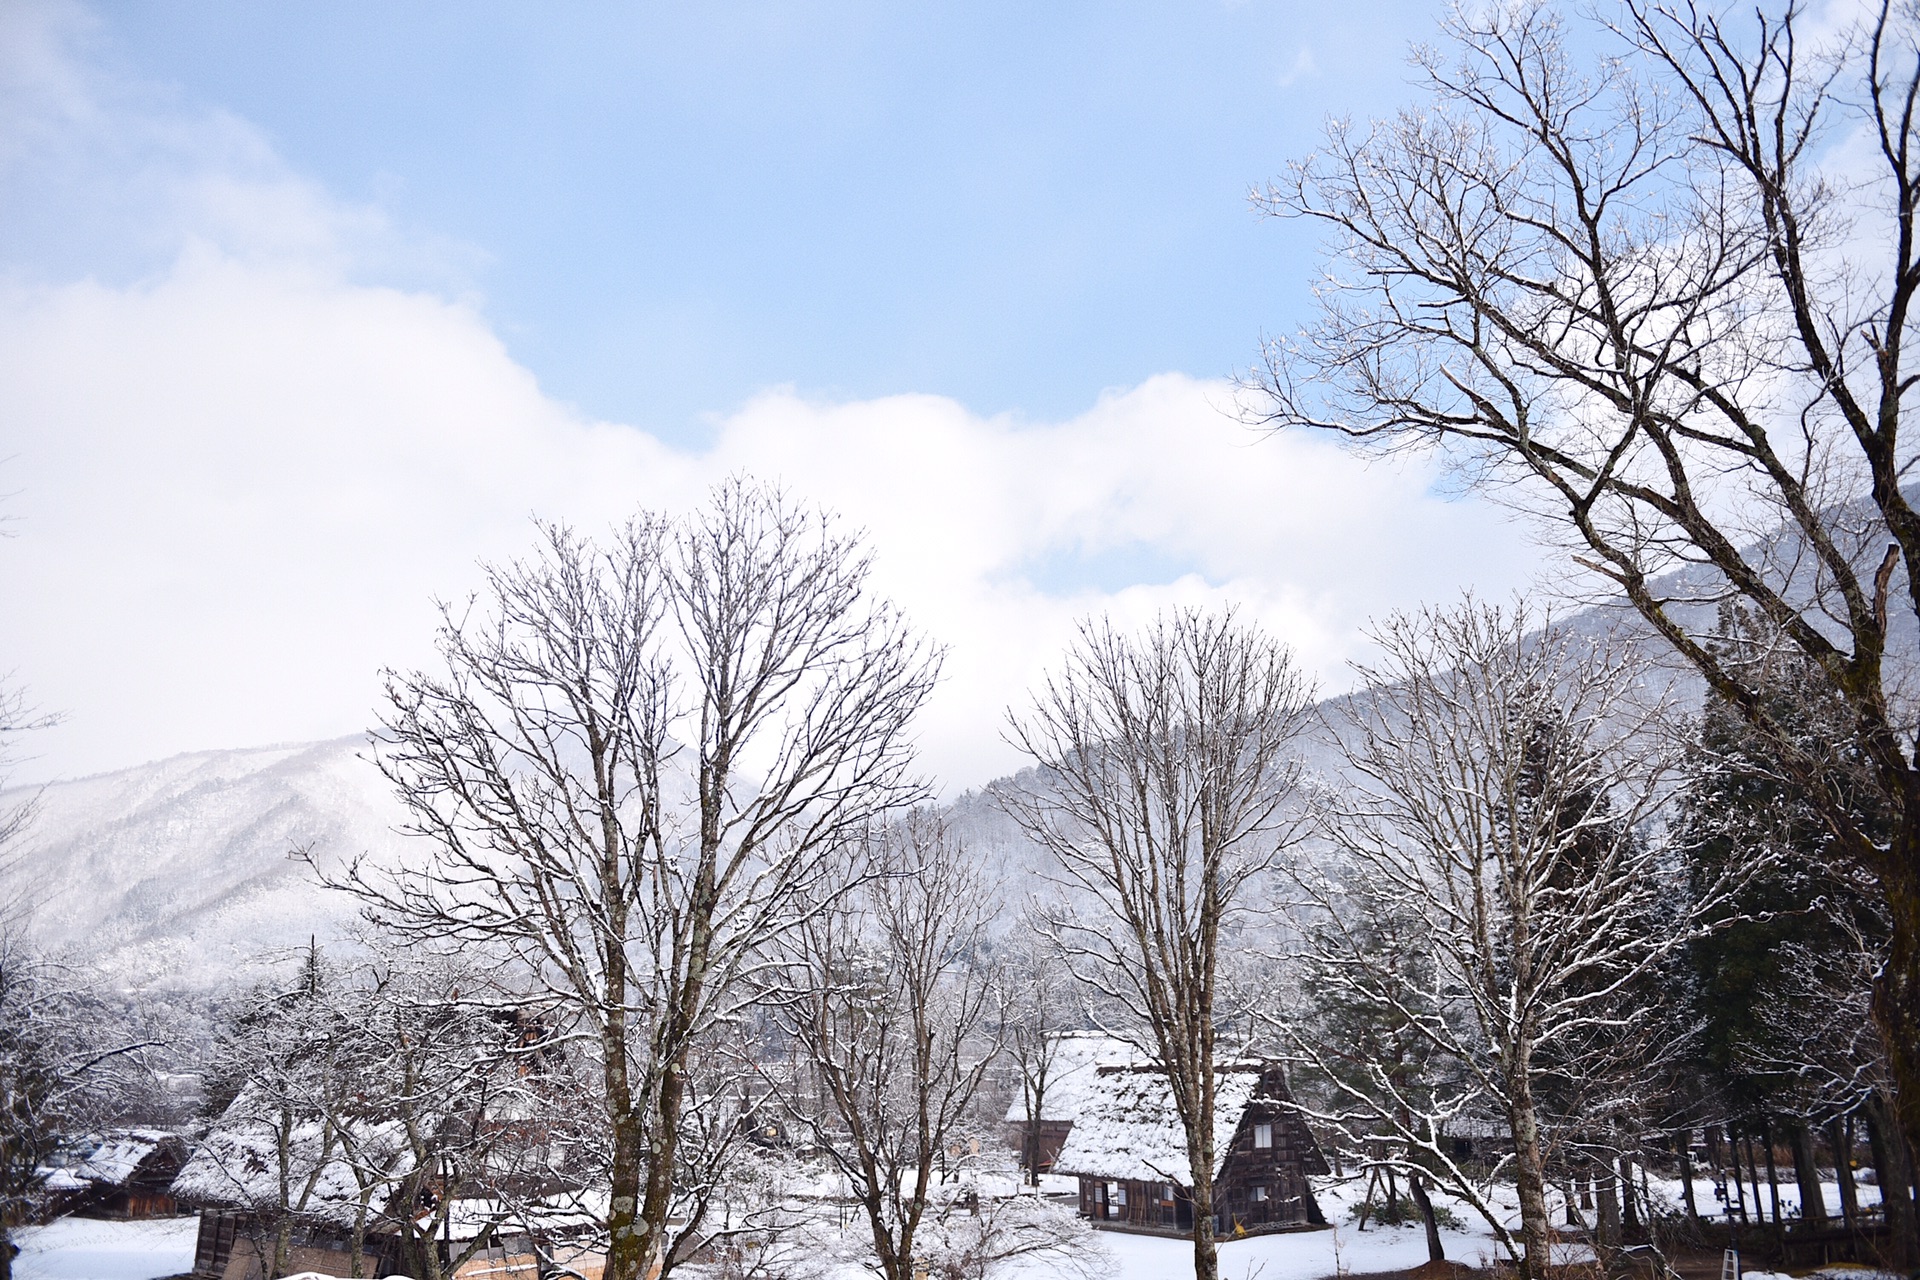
pixel 1053 1135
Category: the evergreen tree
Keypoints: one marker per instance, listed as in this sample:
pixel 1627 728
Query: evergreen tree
pixel 1796 906
pixel 1777 990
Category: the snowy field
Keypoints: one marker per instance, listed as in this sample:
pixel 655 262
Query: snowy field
pixel 85 1249
pixel 1296 1255
pixel 89 1249
pixel 1341 1250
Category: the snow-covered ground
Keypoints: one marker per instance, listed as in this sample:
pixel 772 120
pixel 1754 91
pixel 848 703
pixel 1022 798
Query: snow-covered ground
pixel 90 1249
pixel 1302 1255
pixel 1343 1249
pixel 84 1249
pixel 1667 1190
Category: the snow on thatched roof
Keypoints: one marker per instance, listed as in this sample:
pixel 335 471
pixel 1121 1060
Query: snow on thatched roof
pixel 239 1164
pixel 1129 1129
pixel 1077 1057
pixel 120 1155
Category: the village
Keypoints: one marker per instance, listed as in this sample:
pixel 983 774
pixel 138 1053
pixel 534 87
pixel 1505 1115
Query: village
pixel 808 639
pixel 1107 1146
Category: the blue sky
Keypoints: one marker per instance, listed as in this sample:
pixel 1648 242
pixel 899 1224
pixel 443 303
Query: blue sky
pixel 666 208
pixel 304 309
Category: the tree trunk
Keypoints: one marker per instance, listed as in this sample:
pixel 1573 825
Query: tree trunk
pixel 1738 1204
pixel 1684 1141
pixel 1573 1210
pixel 357 1239
pixel 1896 1012
pixel 1630 1211
pixel 627 1236
pixel 1435 1251
pixel 1606 1235
pixel 1206 1254
pixel 1840 1138
pixel 1893 1171
pixel 1529 1176
pixel 1806 1172
pixel 1773 1172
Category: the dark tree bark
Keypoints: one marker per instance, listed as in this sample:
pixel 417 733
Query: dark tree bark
pixel 1840 1139
pixel 1683 1140
pixel 1893 1170
pixel 1436 1252
pixel 1773 1173
pixel 1606 1194
pixel 1806 1172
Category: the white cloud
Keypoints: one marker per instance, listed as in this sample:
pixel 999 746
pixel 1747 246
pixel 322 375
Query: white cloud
pixel 239 480
pixel 239 486
pixel 1302 65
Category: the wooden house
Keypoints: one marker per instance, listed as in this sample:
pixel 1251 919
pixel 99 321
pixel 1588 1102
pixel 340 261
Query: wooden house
pixel 1128 1150
pixel 127 1173
pixel 254 1174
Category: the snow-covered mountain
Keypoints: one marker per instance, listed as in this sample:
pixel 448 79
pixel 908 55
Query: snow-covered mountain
pixel 180 872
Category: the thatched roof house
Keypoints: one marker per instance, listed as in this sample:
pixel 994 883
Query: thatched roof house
pixel 248 1191
pixel 126 1173
pixel 1074 1059
pixel 1129 1151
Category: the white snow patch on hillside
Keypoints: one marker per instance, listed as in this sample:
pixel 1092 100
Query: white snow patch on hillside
pixel 180 872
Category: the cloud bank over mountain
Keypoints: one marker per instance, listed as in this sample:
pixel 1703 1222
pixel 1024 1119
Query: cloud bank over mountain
pixel 252 430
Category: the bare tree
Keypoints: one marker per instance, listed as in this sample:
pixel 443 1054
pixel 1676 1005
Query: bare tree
pixel 64 1053
pixel 1038 1005
pixel 282 1145
pixel 1356 995
pixel 18 893
pixel 1166 767
pixel 636 766
pixel 64 1056
pixel 1496 816
pixel 442 1111
pixel 1645 294
pixel 887 998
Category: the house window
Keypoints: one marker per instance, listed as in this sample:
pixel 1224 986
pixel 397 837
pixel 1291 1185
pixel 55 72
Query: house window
pixel 1259 1194
pixel 1166 1193
pixel 1117 1194
pixel 1263 1135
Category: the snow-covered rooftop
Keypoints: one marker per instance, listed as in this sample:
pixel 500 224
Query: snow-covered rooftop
pixel 119 1154
pixel 1128 1127
pixel 1076 1059
pixel 239 1163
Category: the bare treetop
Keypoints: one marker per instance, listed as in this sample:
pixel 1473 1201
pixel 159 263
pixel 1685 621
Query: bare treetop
pixel 637 771
pixel 1166 770
pixel 1653 278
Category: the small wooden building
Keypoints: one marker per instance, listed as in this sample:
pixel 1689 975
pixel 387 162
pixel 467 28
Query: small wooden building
pixel 1128 1150
pixel 236 1176
pixel 127 1173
